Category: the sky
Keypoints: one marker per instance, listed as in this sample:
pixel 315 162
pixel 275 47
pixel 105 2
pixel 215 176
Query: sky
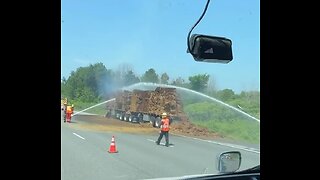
pixel 144 34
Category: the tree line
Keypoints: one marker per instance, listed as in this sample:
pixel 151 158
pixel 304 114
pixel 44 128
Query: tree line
pixel 95 83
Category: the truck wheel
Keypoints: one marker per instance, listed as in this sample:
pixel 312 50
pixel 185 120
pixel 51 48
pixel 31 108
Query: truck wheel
pixel 137 120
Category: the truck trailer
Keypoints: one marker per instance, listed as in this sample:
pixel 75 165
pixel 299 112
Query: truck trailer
pixel 145 106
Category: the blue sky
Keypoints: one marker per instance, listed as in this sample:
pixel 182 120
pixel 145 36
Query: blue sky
pixel 147 34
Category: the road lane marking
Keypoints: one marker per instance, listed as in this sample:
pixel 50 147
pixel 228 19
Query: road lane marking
pixel 151 140
pixel 78 136
pixel 223 144
pixel 160 143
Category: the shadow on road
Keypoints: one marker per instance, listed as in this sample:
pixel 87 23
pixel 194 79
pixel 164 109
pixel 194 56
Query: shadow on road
pixel 71 122
pixel 162 144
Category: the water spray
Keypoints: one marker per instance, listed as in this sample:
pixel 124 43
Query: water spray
pixel 93 106
pixel 177 87
pixel 198 93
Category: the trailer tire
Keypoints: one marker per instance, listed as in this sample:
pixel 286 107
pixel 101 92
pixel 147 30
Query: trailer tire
pixel 121 117
pixel 117 116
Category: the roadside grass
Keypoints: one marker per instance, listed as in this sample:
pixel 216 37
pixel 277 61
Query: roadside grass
pixel 100 110
pixel 236 129
pixel 224 121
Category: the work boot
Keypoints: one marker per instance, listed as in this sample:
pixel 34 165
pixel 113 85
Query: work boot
pixel 157 143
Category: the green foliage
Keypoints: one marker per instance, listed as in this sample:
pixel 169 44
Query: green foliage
pixel 80 105
pixel 226 95
pixel 86 83
pixel 87 86
pixel 239 130
pixel 224 120
pixel 164 78
pixel 130 78
pixel 189 98
pixel 180 82
pixel 150 76
pixel 199 82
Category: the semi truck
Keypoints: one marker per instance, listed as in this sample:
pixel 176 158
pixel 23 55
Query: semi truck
pixel 145 105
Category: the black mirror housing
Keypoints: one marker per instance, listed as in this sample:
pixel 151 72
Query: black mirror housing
pixel 228 162
pixel 210 48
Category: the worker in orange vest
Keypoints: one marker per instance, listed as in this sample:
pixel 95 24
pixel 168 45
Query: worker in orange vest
pixel 69 112
pixel 165 122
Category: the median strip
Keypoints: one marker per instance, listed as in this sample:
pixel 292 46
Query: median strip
pixel 78 136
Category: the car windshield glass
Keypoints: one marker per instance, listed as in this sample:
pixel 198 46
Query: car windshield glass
pixel 135 104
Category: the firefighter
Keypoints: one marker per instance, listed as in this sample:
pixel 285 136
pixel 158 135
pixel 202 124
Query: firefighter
pixel 65 104
pixel 69 112
pixel 165 122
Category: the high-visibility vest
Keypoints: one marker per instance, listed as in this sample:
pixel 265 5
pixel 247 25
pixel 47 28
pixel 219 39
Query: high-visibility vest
pixel 65 101
pixel 69 109
pixel 165 124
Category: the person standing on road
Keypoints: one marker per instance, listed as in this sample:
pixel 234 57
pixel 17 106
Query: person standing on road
pixel 69 112
pixel 65 105
pixel 165 122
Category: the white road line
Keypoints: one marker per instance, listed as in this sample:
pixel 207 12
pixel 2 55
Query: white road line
pixel 151 140
pixel 78 136
pixel 223 144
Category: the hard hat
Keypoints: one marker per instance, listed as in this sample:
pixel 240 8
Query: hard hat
pixel 164 114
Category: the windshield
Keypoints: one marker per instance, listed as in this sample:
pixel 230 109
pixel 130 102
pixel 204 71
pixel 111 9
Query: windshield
pixel 125 70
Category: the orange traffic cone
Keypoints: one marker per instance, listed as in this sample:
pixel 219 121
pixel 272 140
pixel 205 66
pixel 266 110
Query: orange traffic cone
pixel 112 148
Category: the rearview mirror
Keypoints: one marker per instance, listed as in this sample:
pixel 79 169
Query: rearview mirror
pixel 210 48
pixel 229 161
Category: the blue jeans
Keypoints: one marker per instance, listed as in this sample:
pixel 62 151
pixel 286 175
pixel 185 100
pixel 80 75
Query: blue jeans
pixel 166 135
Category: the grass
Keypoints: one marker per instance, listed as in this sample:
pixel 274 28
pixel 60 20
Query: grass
pixel 238 129
pixel 79 106
pixel 224 121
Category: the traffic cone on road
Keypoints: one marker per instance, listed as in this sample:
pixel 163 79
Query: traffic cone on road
pixel 112 148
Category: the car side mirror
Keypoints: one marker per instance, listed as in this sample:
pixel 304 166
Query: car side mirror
pixel 228 162
pixel 210 48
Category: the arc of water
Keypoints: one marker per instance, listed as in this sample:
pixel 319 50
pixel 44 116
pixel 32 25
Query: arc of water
pixel 177 87
pixel 93 106
pixel 198 93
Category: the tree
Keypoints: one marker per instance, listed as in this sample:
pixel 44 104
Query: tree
pixel 199 82
pixel 164 78
pixel 102 76
pixel 122 70
pixel 87 83
pixel 178 82
pixel 150 76
pixel 63 85
pixel 130 78
pixel 226 94
pixel 181 83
